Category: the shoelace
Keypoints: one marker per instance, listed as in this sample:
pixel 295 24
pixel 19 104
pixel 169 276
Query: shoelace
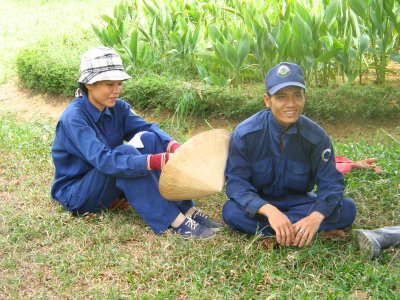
pixel 200 214
pixel 191 223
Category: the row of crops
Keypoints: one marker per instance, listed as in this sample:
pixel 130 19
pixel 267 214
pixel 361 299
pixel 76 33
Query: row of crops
pixel 232 42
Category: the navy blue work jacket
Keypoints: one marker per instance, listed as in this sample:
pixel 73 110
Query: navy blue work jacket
pixel 86 137
pixel 266 163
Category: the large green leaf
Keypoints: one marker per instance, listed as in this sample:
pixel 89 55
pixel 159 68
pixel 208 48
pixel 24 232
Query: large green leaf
pixel 231 55
pixel 220 50
pixel 363 43
pixel 360 7
pixel 243 49
pixel 395 56
pixel 283 39
pixel 196 34
pixel 182 24
pixel 327 41
pixel 328 55
pixel 202 71
pixel 176 41
pixel 133 45
pixel 214 33
pixel 151 8
pixel 108 19
pixel 331 12
pixel 301 12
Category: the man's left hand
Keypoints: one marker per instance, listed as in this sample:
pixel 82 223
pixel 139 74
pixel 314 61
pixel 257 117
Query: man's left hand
pixel 306 228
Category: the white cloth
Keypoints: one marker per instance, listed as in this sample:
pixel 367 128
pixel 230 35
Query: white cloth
pixel 136 141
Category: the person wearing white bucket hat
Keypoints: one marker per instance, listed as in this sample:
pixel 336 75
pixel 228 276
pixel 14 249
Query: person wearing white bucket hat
pixel 275 159
pixel 103 151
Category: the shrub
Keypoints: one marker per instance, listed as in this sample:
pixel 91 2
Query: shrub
pixel 53 66
pixel 323 103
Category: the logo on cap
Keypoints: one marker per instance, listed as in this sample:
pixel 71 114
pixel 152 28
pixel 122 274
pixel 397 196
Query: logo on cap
pixel 283 71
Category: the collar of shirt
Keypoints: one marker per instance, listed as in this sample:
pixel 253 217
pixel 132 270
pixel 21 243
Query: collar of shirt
pixel 94 113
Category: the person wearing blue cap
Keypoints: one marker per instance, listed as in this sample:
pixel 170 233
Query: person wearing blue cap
pixel 103 151
pixel 276 159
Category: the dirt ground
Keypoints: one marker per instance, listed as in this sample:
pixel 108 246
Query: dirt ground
pixel 30 105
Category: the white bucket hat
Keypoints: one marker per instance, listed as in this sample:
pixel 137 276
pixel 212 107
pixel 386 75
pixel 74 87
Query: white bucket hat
pixel 101 63
pixel 197 168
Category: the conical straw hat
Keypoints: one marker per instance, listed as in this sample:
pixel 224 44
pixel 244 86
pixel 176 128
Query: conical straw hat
pixel 197 168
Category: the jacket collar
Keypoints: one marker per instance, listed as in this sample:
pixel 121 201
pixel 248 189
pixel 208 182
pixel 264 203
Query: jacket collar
pixel 278 127
pixel 94 113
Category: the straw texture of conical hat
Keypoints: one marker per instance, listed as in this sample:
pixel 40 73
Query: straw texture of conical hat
pixel 197 168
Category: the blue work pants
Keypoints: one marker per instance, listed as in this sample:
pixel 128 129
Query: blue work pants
pixel 295 207
pixel 97 190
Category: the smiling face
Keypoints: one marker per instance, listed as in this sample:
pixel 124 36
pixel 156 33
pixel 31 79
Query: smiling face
pixel 286 105
pixel 104 93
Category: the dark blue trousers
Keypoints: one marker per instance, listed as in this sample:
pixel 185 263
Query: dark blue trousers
pixel 295 207
pixel 97 190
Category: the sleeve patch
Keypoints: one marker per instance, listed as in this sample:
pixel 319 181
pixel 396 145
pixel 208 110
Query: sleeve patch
pixel 326 154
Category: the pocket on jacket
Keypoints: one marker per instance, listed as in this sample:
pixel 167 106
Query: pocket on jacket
pixel 297 176
pixel 263 173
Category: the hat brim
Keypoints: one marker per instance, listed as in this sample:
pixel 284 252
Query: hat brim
pixel 197 168
pixel 285 84
pixel 112 75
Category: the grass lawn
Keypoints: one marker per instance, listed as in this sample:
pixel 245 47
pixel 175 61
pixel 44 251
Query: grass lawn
pixel 48 254
pixel 23 23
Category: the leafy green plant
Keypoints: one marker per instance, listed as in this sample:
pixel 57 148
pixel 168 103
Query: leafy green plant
pixel 49 67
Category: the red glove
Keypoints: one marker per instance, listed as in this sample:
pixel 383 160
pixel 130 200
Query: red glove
pixel 172 146
pixel 157 161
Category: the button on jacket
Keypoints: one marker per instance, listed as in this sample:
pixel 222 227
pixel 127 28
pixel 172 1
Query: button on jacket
pixel 267 162
pixel 86 138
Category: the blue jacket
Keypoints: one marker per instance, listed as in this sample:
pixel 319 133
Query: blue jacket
pixel 85 139
pixel 265 164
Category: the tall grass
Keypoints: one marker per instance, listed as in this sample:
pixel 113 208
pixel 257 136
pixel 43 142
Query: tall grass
pixel 48 254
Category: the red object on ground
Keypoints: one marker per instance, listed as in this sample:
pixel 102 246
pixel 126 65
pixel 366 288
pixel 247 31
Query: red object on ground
pixel 345 165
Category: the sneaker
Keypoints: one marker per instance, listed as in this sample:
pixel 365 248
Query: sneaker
pixel 191 229
pixel 205 220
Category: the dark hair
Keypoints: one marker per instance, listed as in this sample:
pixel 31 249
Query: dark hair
pixel 83 88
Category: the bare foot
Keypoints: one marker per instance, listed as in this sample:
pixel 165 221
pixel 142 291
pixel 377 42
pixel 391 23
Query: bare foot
pixel 336 233
pixel 120 204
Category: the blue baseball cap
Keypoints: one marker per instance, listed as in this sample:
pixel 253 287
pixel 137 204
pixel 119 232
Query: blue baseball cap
pixel 283 75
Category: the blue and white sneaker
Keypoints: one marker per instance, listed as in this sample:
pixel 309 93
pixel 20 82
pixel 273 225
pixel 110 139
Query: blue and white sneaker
pixel 205 220
pixel 191 229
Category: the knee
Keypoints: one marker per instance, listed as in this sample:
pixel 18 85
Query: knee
pixel 151 143
pixel 349 209
pixel 230 212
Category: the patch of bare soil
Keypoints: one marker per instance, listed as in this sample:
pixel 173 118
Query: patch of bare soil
pixel 30 105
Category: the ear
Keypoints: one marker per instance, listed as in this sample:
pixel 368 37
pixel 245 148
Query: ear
pixel 267 100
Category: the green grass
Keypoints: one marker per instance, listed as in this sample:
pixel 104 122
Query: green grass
pixel 48 254
pixel 23 23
